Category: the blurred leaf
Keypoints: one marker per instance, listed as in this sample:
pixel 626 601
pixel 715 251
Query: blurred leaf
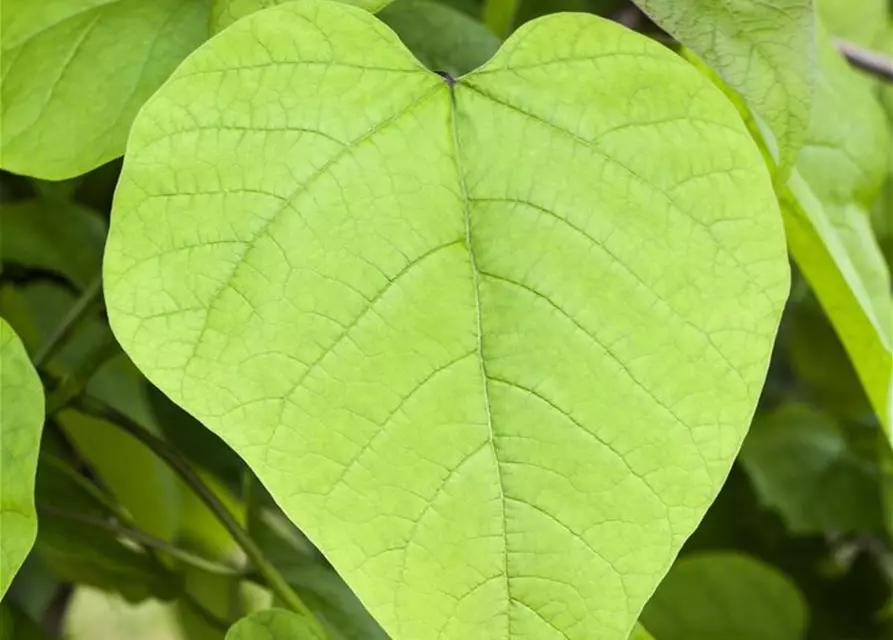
pixel 72 82
pixel 59 485
pixel 499 15
pixel 863 22
pixel 442 38
pixel 21 423
pixel 531 9
pixel 802 465
pixel 274 624
pixel 226 12
pixel 86 554
pixel 725 596
pixel 840 173
pixel 819 360
pixel 15 625
pixel 763 50
pixel 61 237
pixel 96 615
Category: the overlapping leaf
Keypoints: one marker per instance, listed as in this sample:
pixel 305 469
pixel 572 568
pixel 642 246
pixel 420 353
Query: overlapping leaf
pixel 728 596
pixel 75 72
pixel 826 206
pixel 273 624
pixel 492 346
pixel 21 422
pixel 764 50
pixel 802 465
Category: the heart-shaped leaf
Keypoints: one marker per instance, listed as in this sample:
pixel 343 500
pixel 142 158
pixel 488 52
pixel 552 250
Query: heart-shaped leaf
pixel 491 343
pixel 21 422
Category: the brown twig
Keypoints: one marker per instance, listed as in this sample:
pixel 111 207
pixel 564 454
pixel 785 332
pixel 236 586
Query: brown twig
pixel 870 61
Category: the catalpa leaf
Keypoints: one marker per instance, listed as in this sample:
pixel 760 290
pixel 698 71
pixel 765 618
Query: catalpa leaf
pixel 75 72
pixel 729 596
pixel 764 50
pixel 21 422
pixel 273 624
pixel 493 342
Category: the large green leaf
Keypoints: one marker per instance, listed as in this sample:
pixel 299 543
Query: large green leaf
pixel 764 50
pixel 273 624
pixel 492 346
pixel 802 465
pixel 21 422
pixel 75 72
pixel 726 595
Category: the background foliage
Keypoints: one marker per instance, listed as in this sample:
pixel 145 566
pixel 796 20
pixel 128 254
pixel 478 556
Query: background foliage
pixel 149 526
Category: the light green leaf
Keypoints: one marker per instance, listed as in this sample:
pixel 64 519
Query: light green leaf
pixel 226 12
pixel 21 422
pixel 826 208
pixel 273 624
pixel 442 38
pixel 801 464
pixel 62 237
pixel 93 615
pixel 494 346
pixel 726 595
pixel 75 72
pixel 764 50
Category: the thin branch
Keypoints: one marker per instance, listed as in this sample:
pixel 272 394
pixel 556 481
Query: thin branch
pixel 140 537
pixel 274 579
pixel 870 61
pixel 73 384
pixel 88 300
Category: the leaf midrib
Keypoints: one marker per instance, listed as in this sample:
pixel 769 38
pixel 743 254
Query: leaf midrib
pixel 466 205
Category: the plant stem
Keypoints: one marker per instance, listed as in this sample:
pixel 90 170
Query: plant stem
pixel 73 384
pixel 869 61
pixel 70 322
pixel 274 579
pixel 141 538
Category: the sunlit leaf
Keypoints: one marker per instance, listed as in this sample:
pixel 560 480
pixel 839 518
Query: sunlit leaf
pixel 764 50
pixel 492 346
pixel 274 624
pixel 726 595
pixel 75 72
pixel 802 465
pixel 21 422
